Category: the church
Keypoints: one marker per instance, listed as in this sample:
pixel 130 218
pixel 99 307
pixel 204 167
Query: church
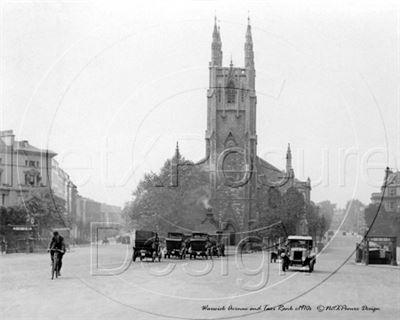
pixel 235 170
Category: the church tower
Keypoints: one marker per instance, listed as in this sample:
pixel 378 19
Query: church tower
pixel 231 139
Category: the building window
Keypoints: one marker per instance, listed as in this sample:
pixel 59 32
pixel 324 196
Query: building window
pixel 391 205
pixel 392 192
pixel 30 179
pixel 3 199
pixel 231 92
pixel 32 163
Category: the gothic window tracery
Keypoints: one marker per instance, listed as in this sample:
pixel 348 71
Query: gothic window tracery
pixel 231 92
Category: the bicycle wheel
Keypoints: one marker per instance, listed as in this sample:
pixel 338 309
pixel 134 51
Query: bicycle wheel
pixel 53 268
pixel 56 264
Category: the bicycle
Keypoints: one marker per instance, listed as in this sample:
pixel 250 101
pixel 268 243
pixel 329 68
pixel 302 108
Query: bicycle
pixel 55 263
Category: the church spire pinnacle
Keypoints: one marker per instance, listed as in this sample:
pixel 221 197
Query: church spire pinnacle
pixel 289 159
pixel 177 153
pixel 215 32
pixel 216 51
pixel 248 47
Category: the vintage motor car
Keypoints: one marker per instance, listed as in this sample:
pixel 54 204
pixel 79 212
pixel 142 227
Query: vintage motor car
pixel 175 245
pixel 145 245
pixel 299 252
pixel 197 245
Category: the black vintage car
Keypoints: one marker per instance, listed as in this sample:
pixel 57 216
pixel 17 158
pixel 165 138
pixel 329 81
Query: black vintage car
pixel 175 245
pixel 198 245
pixel 146 245
pixel 299 252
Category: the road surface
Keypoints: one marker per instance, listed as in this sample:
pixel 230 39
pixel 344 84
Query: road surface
pixel 230 287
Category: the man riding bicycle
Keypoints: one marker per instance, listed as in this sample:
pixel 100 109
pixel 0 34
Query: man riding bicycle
pixel 57 242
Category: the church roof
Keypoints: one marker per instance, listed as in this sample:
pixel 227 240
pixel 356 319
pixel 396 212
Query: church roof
pixel 393 179
pixel 264 168
pixel 207 227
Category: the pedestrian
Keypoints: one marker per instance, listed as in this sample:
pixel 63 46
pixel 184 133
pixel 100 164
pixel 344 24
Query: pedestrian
pixel 3 246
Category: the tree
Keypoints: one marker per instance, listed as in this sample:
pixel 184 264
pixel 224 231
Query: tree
pixel 382 223
pixel 47 210
pixel 327 210
pixel 315 220
pixel 157 205
pixel 293 208
pixel 354 215
pixel 41 208
pixel 269 209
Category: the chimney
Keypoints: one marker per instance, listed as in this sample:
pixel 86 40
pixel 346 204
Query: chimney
pixel 7 136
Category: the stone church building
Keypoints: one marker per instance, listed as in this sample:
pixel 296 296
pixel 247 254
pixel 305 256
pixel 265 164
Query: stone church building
pixel 235 170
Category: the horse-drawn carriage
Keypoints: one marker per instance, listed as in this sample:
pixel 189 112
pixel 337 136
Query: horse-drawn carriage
pixel 175 245
pixel 146 245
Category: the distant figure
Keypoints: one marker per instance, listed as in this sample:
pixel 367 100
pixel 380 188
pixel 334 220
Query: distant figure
pixel 274 256
pixel 3 246
pixel 208 247
pixel 105 241
pixel 156 243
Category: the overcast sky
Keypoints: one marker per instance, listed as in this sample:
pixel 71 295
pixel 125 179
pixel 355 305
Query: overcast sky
pixel 111 86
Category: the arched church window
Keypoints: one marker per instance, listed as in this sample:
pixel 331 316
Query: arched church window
pixel 231 92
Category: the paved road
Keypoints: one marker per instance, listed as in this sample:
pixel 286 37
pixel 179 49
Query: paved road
pixel 180 289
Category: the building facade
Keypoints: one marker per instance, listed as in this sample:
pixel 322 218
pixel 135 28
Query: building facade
pixel 236 172
pixel 23 168
pixel 63 187
pixel 88 211
pixel 391 198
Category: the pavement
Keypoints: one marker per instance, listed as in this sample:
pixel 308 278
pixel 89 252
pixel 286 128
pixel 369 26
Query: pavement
pixel 225 288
